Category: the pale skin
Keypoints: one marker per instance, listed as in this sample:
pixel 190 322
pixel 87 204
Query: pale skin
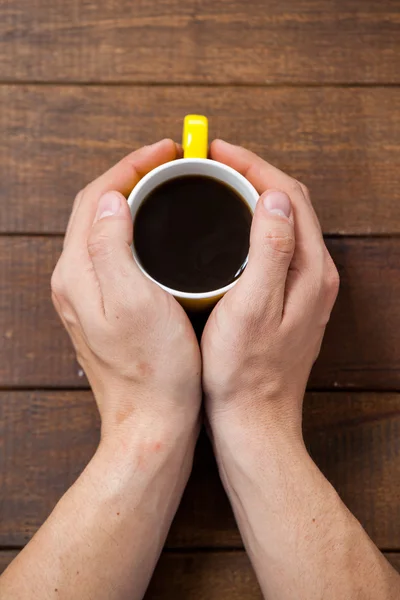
pixel 147 373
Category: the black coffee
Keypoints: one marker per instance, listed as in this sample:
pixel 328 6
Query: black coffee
pixel 192 234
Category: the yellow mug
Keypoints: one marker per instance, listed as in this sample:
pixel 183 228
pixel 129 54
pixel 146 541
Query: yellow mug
pixel 195 162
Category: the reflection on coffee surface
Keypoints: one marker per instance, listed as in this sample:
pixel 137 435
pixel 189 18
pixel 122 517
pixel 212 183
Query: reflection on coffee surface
pixel 192 234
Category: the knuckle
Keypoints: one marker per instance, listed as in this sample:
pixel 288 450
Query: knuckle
pixel 79 196
pixel 331 279
pixel 63 278
pixel 57 282
pixel 299 187
pixel 280 240
pixel 59 295
pixel 78 199
pixel 304 189
pixel 99 243
pixel 295 186
pixel 84 192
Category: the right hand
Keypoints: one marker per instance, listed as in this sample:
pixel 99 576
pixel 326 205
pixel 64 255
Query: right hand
pixel 258 349
pixel 263 337
pixel 133 340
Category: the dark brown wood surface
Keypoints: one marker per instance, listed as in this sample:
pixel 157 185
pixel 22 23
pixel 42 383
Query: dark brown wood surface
pixel 47 438
pixel 195 576
pixel 55 139
pixel 361 347
pixel 202 575
pixel 317 41
pixel 310 85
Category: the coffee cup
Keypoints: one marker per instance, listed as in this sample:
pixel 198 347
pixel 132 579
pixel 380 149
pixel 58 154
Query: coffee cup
pixel 196 164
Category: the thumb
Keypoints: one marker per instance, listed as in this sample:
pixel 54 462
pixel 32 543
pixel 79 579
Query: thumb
pixel 272 244
pixel 109 242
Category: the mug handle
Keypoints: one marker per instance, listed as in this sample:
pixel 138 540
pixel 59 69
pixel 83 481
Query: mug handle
pixel 195 136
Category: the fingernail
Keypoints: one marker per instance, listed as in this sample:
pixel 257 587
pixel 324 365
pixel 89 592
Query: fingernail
pixel 109 205
pixel 278 203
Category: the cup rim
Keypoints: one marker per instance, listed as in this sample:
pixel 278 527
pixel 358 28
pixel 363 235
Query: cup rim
pixel 251 191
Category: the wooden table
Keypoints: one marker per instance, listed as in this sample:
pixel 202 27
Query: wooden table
pixel 312 86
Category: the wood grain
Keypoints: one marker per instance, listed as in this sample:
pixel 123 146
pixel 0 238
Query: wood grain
pixel 202 576
pixel 194 576
pixel 287 60
pixel 46 439
pixel 361 348
pixel 55 139
pixel 354 439
pixel 6 556
pixel 394 559
pixel 304 41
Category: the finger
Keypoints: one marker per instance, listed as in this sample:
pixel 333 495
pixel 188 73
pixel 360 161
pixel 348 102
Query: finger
pixel 109 249
pixel 75 205
pixel 77 292
pixel 309 256
pixel 259 172
pixel 313 292
pixel 122 177
pixel 272 243
pixel 77 270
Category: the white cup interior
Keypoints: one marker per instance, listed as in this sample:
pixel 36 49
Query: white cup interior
pixel 190 166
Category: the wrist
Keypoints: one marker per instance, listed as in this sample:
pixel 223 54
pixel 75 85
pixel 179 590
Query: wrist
pixel 129 415
pixel 257 464
pixel 249 456
pixel 145 442
pixel 127 474
pixel 249 427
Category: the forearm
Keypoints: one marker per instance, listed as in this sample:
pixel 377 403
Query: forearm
pixel 302 540
pixel 104 537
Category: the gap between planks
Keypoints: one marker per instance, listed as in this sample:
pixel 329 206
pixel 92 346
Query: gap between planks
pixel 197 84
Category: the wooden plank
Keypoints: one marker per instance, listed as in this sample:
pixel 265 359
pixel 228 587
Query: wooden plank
pixel 355 440
pixel 195 576
pixel 31 335
pixel 202 575
pixel 394 559
pixel 361 348
pixel 55 139
pixel 262 41
pixel 6 556
pixel 47 437
pixel 46 440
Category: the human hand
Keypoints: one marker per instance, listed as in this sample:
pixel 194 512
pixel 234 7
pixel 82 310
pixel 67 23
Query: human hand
pixel 142 360
pixel 263 337
pixel 133 340
pixel 258 348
